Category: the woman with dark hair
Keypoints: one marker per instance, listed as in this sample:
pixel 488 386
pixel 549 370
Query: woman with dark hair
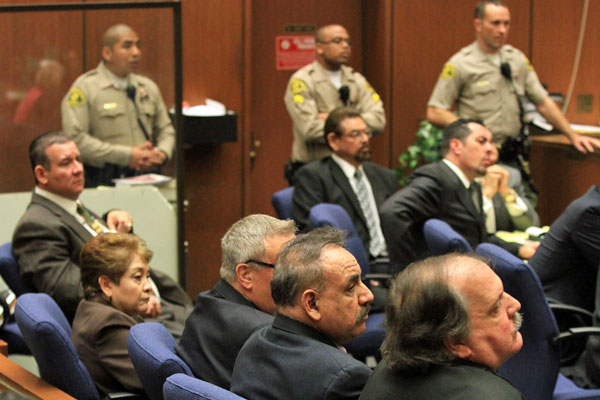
pixel 115 278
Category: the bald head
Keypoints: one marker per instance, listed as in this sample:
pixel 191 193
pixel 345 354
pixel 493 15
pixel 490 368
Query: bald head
pixel 333 46
pixel 114 33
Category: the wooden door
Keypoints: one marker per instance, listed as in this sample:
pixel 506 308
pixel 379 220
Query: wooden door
pixel 269 128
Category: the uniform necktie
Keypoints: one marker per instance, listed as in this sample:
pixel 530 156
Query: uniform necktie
pixel 377 243
pixel 475 196
pixel 89 219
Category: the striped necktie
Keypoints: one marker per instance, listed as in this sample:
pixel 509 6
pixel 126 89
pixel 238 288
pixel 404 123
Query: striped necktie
pixel 89 219
pixel 377 243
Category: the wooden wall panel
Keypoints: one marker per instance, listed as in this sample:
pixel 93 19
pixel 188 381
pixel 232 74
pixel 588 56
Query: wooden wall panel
pixel 42 57
pixel 270 122
pixel 562 174
pixel 213 68
pixel 377 60
pixel 425 36
pixel 556 27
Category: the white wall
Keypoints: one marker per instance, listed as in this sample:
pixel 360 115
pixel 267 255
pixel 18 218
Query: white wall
pixel 154 218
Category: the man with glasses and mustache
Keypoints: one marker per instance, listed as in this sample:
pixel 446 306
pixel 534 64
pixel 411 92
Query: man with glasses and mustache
pixel 240 303
pixel 321 304
pixel 347 178
pixel 450 325
pixel 317 88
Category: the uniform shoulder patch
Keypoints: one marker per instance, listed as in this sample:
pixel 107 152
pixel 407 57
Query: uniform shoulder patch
pixel 297 86
pixel 298 99
pixel 374 96
pixel 76 97
pixel 528 64
pixel 448 72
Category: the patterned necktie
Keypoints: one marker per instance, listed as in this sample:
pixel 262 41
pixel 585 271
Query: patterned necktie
pixel 89 219
pixel 377 243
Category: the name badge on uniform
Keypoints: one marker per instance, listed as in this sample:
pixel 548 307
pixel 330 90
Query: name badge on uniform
pixel 143 94
pixel 110 106
pixel 482 83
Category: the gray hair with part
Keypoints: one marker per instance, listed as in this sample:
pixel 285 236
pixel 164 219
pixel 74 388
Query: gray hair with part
pixel 245 240
pixel 299 264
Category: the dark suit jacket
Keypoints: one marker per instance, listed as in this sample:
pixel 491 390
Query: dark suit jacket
pixel 47 242
pixel 323 181
pixel 216 330
pixel 433 191
pixel 100 337
pixel 568 257
pixel 460 381
pixel 290 360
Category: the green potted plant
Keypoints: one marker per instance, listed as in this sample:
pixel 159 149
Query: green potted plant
pixel 424 150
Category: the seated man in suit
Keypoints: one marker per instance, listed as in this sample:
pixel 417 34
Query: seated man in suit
pixel 445 190
pixel 321 304
pixel 50 235
pixel 240 303
pixel 568 257
pixel 505 202
pixel 347 178
pixel 450 325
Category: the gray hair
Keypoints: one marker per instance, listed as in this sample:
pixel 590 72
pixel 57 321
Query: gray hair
pixel 299 265
pixel 245 240
pixel 422 311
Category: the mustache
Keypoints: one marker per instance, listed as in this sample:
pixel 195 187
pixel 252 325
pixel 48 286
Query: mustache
pixel 518 317
pixel 363 313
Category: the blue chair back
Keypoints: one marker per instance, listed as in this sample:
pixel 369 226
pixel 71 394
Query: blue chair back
pixel 282 202
pixel 534 370
pixel 442 239
pixel 48 335
pixel 9 270
pixel 183 387
pixel 152 351
pixel 327 214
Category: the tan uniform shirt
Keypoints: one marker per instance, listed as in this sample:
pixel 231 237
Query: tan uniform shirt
pixel 102 121
pixel 472 80
pixel 310 92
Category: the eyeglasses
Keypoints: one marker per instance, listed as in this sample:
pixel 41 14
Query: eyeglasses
pixel 264 264
pixel 355 135
pixel 338 41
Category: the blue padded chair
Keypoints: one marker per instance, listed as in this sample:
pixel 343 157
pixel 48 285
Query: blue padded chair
pixel 442 239
pixel 48 335
pixel 326 214
pixel 535 369
pixel 282 202
pixel 184 387
pixel 152 351
pixel 9 270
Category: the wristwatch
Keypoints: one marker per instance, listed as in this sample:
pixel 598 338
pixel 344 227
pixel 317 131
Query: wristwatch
pixel 511 197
